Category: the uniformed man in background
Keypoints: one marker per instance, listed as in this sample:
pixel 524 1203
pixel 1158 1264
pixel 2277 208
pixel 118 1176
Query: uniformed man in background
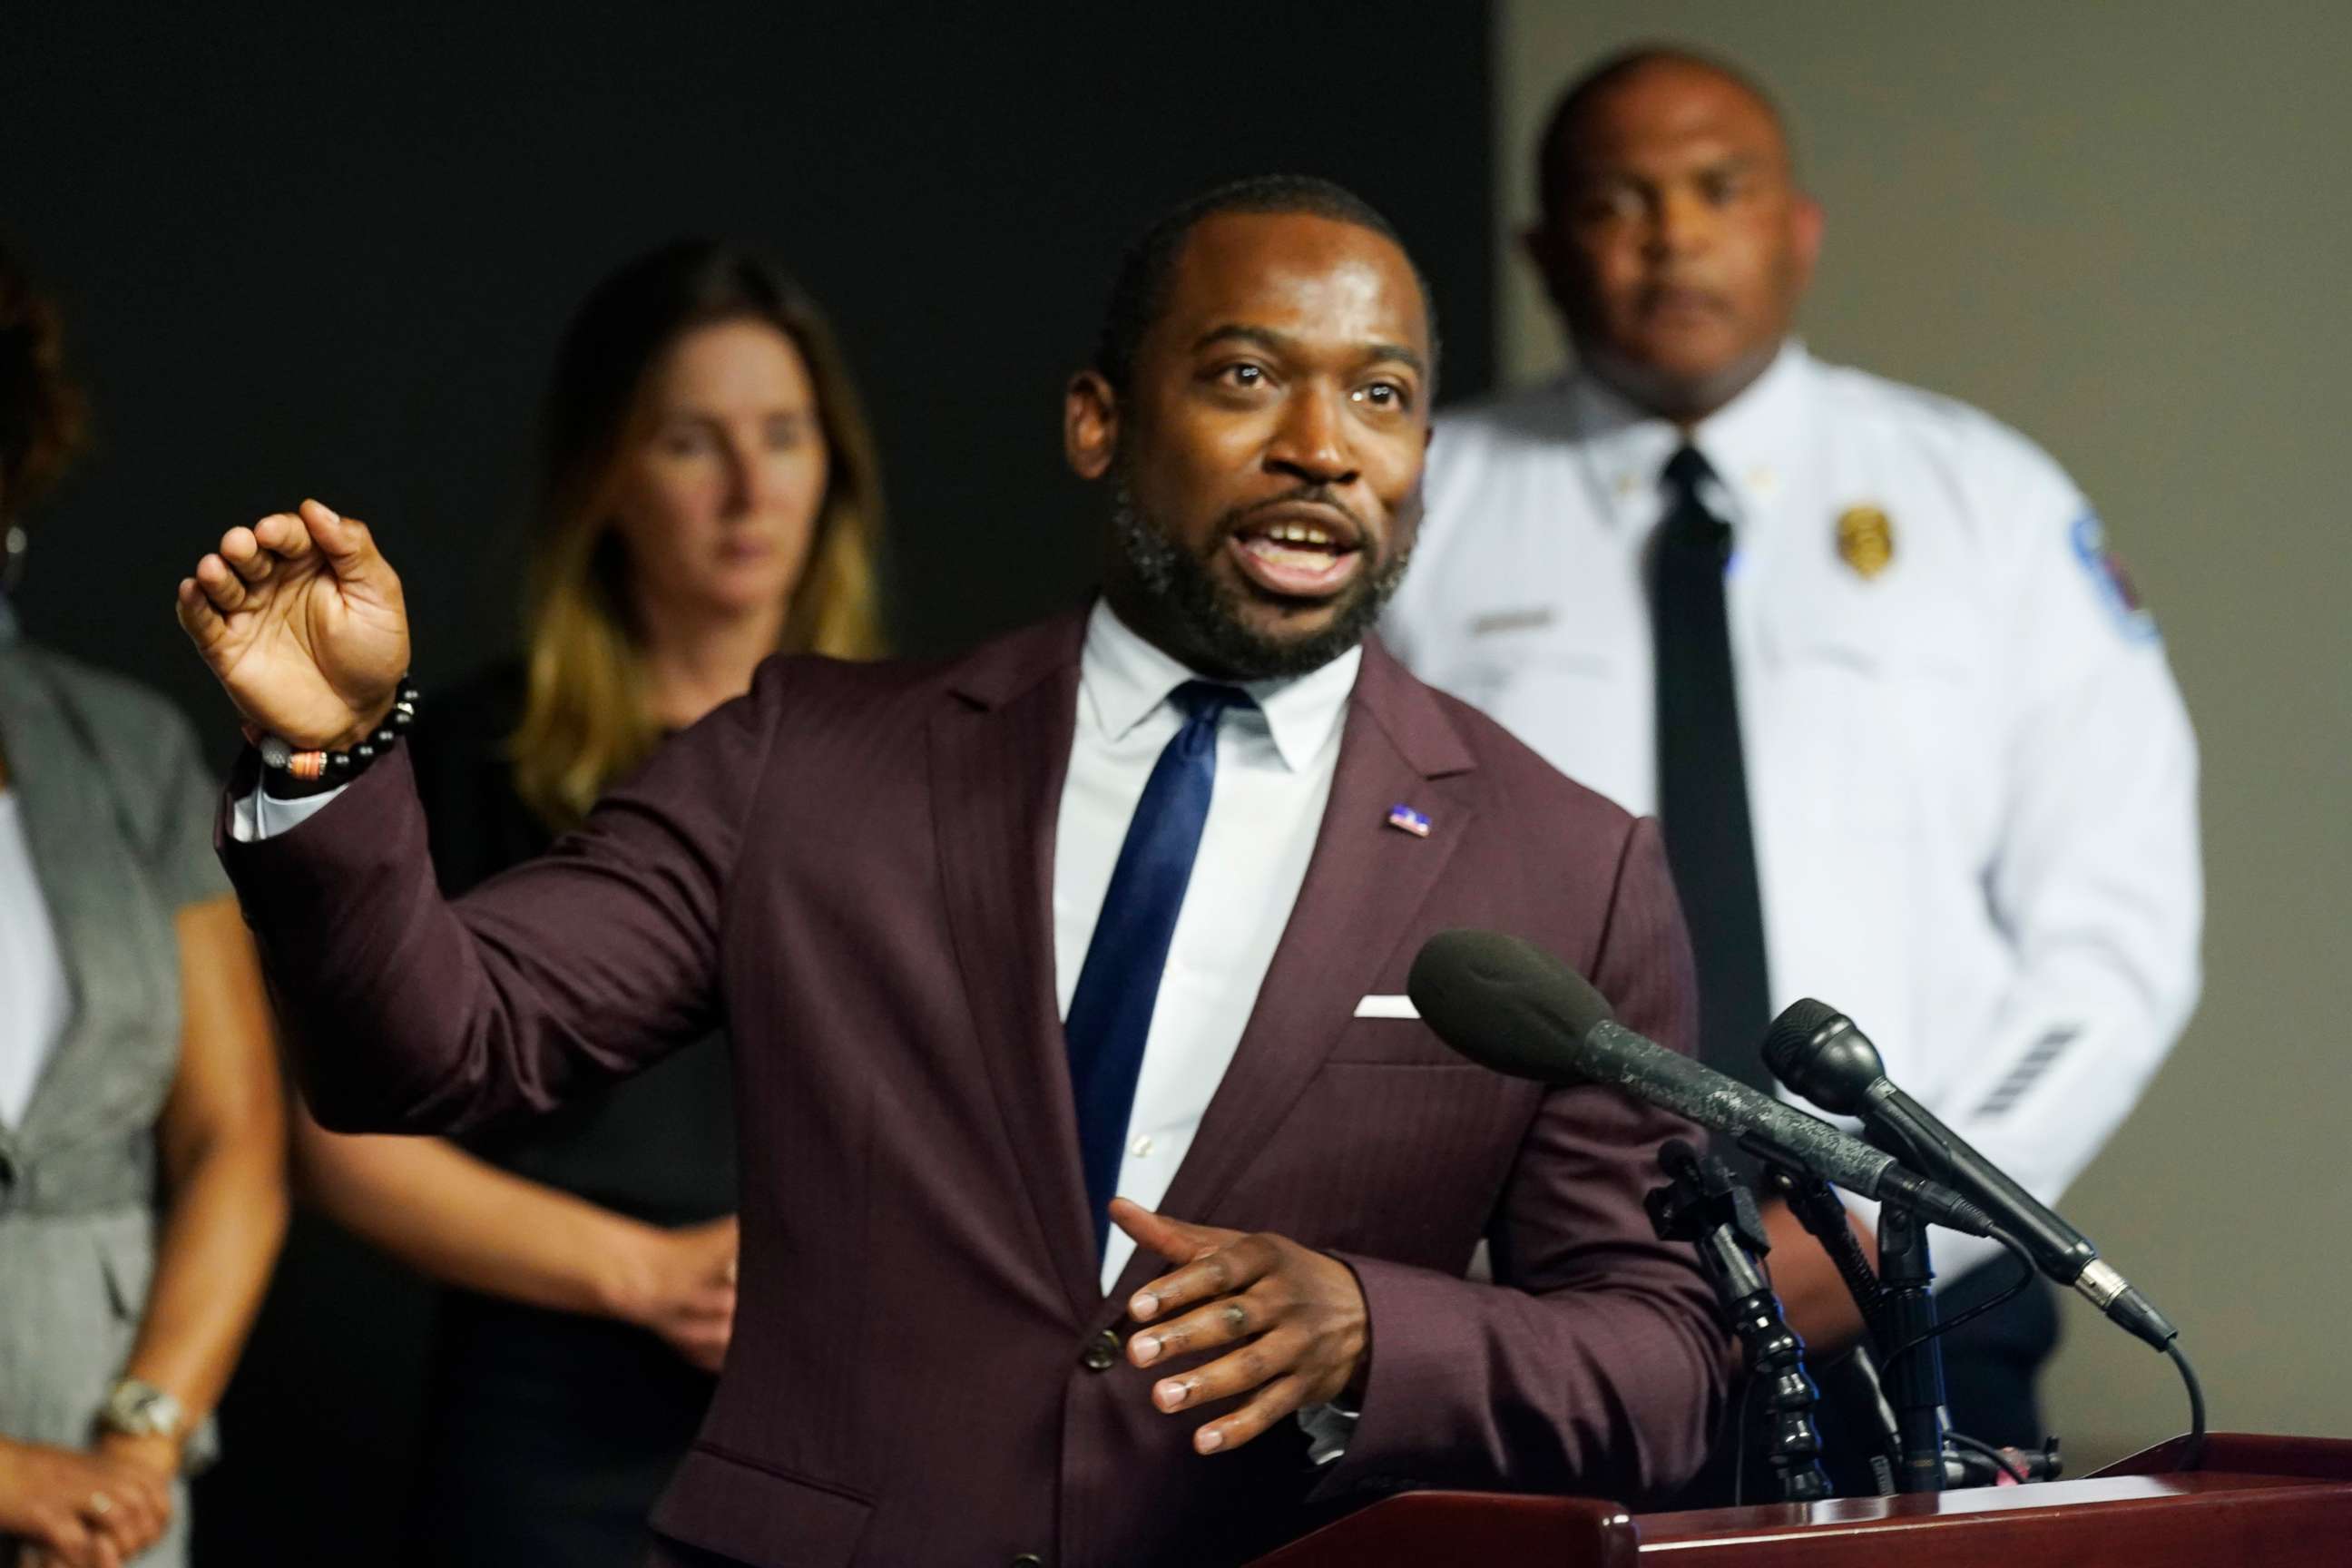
pixel 1863 650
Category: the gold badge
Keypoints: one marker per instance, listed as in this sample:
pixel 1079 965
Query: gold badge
pixel 1865 539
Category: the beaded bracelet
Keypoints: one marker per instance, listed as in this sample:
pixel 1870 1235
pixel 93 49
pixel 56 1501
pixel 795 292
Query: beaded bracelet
pixel 341 767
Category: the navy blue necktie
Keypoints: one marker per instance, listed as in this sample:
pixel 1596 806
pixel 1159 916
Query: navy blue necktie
pixel 1110 1011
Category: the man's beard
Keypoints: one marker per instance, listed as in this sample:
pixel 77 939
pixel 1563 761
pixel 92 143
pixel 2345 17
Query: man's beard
pixel 1179 585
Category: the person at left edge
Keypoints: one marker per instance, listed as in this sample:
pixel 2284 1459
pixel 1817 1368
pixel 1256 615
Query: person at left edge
pixel 943 1350
pixel 142 1153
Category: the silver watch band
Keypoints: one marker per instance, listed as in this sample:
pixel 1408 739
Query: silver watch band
pixel 137 1408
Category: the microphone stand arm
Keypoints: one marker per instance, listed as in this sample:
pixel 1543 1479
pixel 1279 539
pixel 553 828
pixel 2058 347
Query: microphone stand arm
pixel 1704 1204
pixel 1817 1207
pixel 1966 1463
pixel 1825 1218
pixel 1914 1377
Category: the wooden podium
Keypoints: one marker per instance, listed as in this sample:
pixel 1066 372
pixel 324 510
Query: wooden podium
pixel 2254 1501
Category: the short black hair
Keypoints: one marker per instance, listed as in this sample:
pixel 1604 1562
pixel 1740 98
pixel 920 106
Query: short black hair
pixel 1139 292
pixel 1553 163
pixel 43 418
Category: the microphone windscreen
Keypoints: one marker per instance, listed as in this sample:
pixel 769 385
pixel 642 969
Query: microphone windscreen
pixel 1797 1023
pixel 1816 1051
pixel 1504 1002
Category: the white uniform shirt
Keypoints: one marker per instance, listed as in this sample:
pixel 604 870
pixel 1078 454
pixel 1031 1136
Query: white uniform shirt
pixel 1971 778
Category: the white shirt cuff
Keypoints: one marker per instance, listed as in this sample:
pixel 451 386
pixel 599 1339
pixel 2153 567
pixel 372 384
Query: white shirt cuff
pixel 256 815
pixel 1327 1427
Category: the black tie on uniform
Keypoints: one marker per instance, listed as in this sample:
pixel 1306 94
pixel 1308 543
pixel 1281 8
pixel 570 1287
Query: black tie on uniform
pixel 1703 777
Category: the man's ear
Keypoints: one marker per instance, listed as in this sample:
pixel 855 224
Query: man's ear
pixel 1089 423
pixel 1805 224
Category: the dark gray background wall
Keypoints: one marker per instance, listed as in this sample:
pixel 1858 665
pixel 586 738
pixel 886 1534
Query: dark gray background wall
pixel 328 250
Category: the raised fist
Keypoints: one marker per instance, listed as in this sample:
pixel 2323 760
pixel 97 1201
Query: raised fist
pixel 302 622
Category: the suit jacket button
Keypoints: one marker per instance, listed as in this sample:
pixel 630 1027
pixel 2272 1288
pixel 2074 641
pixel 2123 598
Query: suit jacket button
pixel 1101 1354
pixel 1028 1560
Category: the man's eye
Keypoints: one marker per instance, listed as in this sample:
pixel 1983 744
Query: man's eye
pixel 1248 375
pixel 1615 204
pixel 1385 395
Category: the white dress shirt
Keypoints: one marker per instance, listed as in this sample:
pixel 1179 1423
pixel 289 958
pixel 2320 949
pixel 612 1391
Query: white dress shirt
pixel 1275 766
pixel 1973 781
pixel 36 996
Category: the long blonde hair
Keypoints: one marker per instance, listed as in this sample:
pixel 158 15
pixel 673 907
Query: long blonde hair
pixel 587 717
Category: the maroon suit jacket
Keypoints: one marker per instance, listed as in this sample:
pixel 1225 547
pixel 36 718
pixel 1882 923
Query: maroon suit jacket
pixel 852 868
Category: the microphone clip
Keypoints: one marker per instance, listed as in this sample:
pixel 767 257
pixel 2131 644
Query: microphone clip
pixel 1702 1195
pixel 1702 1203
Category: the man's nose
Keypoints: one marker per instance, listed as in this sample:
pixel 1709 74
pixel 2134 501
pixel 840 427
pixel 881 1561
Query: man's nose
pixel 1312 441
pixel 1681 224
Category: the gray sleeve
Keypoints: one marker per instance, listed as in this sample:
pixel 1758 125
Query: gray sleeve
pixel 180 854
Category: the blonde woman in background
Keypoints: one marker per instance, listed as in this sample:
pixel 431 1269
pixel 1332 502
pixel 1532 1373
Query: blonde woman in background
pixel 709 497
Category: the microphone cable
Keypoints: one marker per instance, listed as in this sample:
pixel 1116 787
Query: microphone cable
pixel 1990 1455
pixel 2027 1271
pixel 2193 1453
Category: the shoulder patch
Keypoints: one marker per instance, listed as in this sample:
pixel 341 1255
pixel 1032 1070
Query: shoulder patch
pixel 2111 582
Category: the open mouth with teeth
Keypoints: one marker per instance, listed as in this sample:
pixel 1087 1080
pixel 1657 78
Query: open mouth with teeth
pixel 1296 556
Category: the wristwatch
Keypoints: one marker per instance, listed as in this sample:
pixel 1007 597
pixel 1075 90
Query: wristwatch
pixel 137 1408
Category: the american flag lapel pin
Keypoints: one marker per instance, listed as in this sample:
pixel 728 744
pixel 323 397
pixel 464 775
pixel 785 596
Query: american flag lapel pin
pixel 1411 821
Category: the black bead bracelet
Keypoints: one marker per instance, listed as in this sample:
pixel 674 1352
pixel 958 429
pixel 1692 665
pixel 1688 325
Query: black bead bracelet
pixel 330 769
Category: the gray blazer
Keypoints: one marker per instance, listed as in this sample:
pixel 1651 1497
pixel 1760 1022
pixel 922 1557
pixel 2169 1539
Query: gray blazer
pixel 117 806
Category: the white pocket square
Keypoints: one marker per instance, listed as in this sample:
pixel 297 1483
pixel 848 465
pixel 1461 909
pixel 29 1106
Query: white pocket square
pixel 1387 1007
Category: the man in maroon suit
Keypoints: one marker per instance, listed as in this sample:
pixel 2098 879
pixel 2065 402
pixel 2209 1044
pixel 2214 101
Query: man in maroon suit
pixel 1121 904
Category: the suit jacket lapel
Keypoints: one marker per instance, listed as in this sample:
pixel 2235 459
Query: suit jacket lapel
pixel 1364 885
pixel 998 756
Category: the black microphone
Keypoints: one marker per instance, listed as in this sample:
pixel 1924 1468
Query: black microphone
pixel 1817 1051
pixel 1510 1006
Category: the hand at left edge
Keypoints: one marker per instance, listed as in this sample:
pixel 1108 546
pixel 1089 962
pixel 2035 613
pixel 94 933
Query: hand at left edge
pixel 1297 1317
